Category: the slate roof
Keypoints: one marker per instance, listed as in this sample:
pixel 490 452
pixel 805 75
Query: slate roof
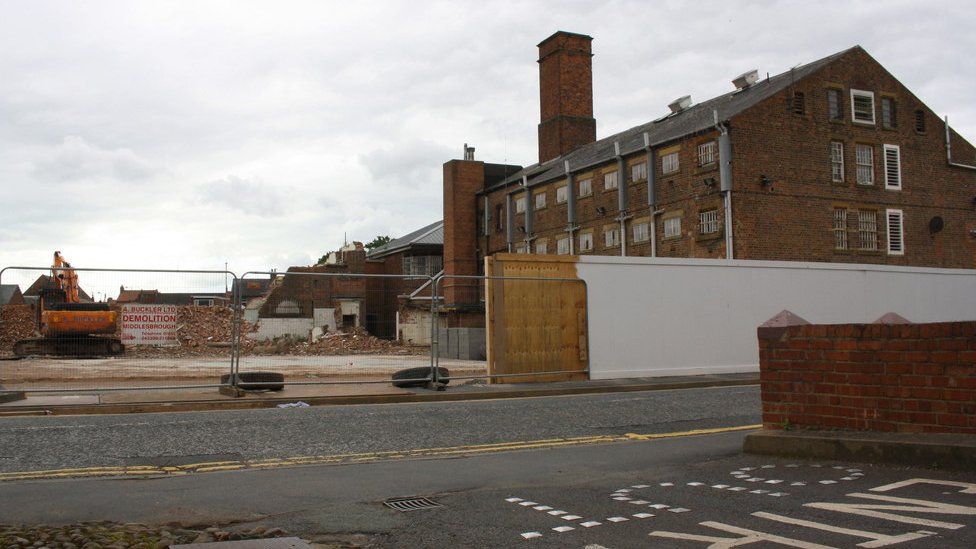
pixel 9 292
pixel 695 119
pixel 431 235
pixel 44 280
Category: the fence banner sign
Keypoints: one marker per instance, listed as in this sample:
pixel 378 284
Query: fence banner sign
pixel 149 324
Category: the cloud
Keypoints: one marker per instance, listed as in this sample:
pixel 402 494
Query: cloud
pixel 244 195
pixel 75 159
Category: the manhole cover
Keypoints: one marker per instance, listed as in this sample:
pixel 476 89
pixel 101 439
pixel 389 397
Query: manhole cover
pixel 411 504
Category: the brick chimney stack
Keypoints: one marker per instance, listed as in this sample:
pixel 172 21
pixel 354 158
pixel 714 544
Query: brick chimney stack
pixel 566 94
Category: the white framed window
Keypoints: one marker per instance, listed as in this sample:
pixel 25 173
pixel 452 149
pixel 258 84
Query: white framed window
pixel 609 181
pixel 522 248
pixel 892 167
pixel 896 232
pixel 867 230
pixel 638 172
pixel 837 161
pixel 708 222
pixel 707 153
pixel 862 107
pixel 561 194
pixel 642 231
pixel 540 200
pixel 669 163
pixel 520 205
pixel 562 245
pixel 585 187
pixel 586 241
pixel 611 236
pixel 672 227
pixel 834 106
pixel 542 246
pixel 840 228
pixel 203 301
pixel 865 164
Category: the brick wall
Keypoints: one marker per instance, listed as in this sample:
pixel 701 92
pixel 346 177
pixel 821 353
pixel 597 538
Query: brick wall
pixel 565 94
pixel 870 377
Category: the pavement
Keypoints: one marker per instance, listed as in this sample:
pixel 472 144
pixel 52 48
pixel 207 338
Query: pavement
pixel 133 400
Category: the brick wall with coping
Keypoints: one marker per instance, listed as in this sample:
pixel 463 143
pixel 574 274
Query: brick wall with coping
pixel 870 377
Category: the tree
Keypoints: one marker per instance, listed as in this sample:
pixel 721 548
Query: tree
pixel 377 242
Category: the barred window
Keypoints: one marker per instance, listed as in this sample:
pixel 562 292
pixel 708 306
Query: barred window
pixel 837 161
pixel 706 153
pixel 708 222
pixel 867 230
pixel 840 228
pixel 423 265
pixel 865 165
pixel 920 121
pixel 669 163
pixel 835 108
pixel 611 236
pixel 562 246
pixel 586 241
pixel 799 103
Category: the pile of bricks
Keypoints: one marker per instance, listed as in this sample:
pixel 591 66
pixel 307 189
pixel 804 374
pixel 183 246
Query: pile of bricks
pixel 16 323
pixel 357 341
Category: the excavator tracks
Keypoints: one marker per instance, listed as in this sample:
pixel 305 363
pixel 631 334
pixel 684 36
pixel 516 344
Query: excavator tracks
pixel 76 347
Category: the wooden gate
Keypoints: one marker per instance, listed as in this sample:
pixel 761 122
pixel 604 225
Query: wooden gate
pixel 535 326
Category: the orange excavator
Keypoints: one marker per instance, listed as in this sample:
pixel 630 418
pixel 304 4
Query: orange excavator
pixel 69 327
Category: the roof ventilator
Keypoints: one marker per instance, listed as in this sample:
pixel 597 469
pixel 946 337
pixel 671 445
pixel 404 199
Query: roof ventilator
pixel 677 106
pixel 745 80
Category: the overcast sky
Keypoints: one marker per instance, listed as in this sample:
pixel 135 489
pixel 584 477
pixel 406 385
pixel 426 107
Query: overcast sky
pixel 187 134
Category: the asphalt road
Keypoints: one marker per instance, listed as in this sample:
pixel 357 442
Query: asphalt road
pixel 678 492
pixel 58 442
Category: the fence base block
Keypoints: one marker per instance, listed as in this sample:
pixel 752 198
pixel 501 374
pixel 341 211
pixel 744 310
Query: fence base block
pixel 235 392
pixel 11 396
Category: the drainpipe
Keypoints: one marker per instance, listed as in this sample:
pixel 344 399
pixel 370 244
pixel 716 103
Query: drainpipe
pixel 651 194
pixel 725 178
pixel 509 221
pixel 570 207
pixel 949 149
pixel 529 211
pixel 621 198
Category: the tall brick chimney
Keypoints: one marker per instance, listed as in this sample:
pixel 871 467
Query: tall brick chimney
pixel 566 94
pixel 462 180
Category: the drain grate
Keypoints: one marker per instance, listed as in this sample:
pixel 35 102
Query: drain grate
pixel 411 504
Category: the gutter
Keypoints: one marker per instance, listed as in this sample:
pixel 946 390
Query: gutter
pixel 725 180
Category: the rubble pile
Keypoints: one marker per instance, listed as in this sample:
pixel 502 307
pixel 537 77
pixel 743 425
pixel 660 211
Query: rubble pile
pixel 357 341
pixel 201 331
pixel 16 323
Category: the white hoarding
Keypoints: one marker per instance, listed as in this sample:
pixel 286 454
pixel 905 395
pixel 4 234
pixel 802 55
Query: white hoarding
pixel 149 324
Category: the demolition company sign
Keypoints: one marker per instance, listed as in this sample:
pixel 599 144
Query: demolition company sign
pixel 149 324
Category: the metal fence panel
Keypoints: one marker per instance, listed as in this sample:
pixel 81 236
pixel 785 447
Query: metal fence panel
pixel 130 329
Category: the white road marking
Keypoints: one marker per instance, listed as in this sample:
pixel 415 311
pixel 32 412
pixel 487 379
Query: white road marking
pixel 798 484
pixel 590 524
pixel 570 517
pixel 513 500
pixel 556 513
pixel 792 466
pixel 542 508
pixel 754 479
pixel 561 529
pixel 642 515
pixel 720 486
pixel 967 487
pixel 641 486
pixel 828 482
pixel 528 503
pixel 659 506
pixel 737 489
pixel 773 481
pixel 746 468
pixel 531 535
pixel 639 502
pixel 759 491
pixel 679 510
pixel 696 484
pixel 779 494
pixel 666 484
pixel 617 519
pixel 911 505
pixel 747 537
pixel 622 498
pixel 880 540
pixel 848 478
pixel 767 466
pixel 624 490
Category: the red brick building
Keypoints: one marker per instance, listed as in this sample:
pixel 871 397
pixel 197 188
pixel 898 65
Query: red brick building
pixel 832 161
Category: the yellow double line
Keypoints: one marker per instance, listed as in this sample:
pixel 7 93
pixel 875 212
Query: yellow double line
pixel 234 465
